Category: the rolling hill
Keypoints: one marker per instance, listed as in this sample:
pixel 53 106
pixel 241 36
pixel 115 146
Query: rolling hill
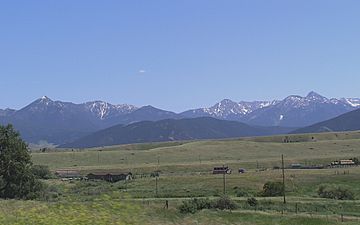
pixel 171 130
pixel 347 122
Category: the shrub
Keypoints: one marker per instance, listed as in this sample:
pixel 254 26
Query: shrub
pixel 50 193
pixel 241 193
pixel 194 205
pixel 188 206
pixel 252 202
pixel 225 202
pixel 203 203
pixel 41 172
pixel 155 174
pixel 272 189
pixel 335 192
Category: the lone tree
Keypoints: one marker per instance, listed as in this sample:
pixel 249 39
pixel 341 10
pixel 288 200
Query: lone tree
pixel 16 177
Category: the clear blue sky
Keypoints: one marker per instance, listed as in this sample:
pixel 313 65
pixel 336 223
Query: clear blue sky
pixel 177 54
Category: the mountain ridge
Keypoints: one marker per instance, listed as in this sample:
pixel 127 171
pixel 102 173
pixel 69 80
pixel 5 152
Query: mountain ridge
pixel 346 122
pixel 171 130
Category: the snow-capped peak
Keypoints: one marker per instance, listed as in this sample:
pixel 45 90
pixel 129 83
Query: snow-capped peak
pixel 228 109
pixel 103 109
pixel 296 101
pixel 45 99
pixel 316 97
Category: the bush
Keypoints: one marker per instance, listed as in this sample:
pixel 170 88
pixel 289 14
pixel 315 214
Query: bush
pixel 335 192
pixel 242 193
pixel 155 174
pixel 272 189
pixel 188 206
pixel 225 202
pixel 49 193
pixel 194 205
pixel 41 172
pixel 252 202
pixel 203 203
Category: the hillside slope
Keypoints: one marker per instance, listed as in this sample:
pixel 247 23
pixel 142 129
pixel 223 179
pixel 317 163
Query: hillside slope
pixel 347 122
pixel 171 130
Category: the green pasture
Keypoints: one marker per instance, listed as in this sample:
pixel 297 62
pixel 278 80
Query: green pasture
pixel 200 156
pixel 185 172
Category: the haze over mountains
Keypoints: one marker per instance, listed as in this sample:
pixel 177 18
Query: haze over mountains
pixel 63 122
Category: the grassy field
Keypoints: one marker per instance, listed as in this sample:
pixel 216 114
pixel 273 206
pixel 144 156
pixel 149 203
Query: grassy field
pixel 201 155
pixel 106 211
pixel 110 212
pixel 185 172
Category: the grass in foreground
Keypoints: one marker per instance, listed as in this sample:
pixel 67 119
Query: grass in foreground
pixel 114 211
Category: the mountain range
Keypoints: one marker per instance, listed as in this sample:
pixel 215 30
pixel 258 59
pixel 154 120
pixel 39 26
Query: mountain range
pixel 297 111
pixel 64 122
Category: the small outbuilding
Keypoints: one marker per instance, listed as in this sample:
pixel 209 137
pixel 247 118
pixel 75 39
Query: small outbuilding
pixel 296 166
pixel 110 177
pixel 222 170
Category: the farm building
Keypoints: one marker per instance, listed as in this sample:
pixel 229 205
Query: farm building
pixel 296 166
pixel 343 162
pixel 347 162
pixel 110 177
pixel 68 174
pixel 308 167
pixel 222 170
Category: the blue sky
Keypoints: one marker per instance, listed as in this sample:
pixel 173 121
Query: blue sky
pixel 177 54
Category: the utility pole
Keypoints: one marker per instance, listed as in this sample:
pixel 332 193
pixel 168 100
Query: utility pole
pixel 200 159
pixel 156 186
pixel 156 176
pixel 283 176
pixel 224 181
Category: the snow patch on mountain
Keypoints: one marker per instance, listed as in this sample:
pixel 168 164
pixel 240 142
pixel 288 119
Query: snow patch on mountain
pixel 299 102
pixel 103 109
pixel 228 109
pixel 354 102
